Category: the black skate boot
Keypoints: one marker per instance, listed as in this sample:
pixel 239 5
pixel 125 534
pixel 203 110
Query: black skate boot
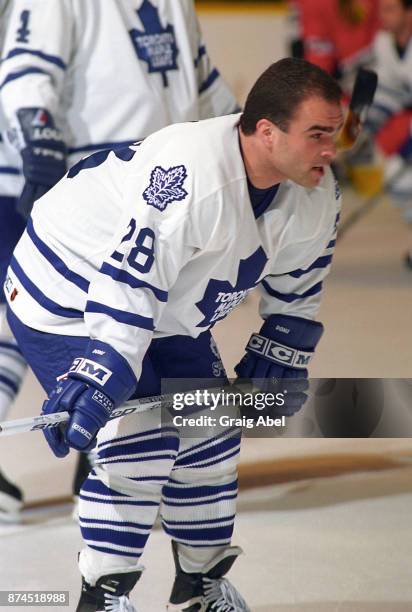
pixel 11 501
pixel 206 591
pixel 111 594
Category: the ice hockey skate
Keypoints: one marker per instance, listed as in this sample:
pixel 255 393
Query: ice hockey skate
pixel 110 594
pixel 206 591
pixel 11 501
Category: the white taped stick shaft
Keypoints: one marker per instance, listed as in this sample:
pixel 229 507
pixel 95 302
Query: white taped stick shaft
pixel 8 428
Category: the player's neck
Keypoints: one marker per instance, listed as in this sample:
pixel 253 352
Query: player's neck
pixel 259 168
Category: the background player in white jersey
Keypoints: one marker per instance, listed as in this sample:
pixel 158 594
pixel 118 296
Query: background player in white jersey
pixel 81 76
pixel 389 121
pixel 125 266
pixel 12 364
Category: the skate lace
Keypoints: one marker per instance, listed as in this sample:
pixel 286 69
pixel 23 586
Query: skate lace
pixel 222 595
pixel 117 604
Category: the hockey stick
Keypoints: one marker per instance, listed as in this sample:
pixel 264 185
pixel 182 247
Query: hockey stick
pixel 362 97
pixel 9 428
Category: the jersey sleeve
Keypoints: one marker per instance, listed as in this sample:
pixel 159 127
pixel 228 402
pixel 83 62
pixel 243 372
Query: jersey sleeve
pixel 215 96
pixel 393 93
pixel 36 54
pixel 298 293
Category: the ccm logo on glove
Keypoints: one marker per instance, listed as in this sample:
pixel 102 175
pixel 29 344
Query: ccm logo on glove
pixel 83 431
pixel 91 369
pixel 278 352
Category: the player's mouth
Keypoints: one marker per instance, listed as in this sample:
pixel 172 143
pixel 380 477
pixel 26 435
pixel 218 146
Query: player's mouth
pixel 318 172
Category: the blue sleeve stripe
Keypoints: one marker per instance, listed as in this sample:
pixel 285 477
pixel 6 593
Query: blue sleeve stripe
pixel 22 73
pixel 52 59
pixel 291 297
pixel 121 316
pixel 381 108
pixel 209 81
pixel 99 146
pixel 322 262
pixel 9 170
pixel 57 263
pixel 40 297
pixel 124 277
pixel 331 244
pixel 200 54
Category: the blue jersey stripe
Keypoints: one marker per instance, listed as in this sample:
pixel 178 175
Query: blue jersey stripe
pixel 381 108
pixel 291 297
pixel 322 262
pixel 57 263
pixel 22 73
pixel 124 277
pixel 40 297
pixel 9 170
pixel 209 81
pixel 331 244
pixel 200 54
pixel 52 59
pixel 99 146
pixel 121 316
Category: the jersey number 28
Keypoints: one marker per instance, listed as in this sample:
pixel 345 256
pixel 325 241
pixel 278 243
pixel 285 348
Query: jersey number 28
pixel 141 256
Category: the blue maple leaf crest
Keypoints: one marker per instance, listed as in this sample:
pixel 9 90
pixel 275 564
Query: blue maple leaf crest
pixel 155 45
pixel 166 186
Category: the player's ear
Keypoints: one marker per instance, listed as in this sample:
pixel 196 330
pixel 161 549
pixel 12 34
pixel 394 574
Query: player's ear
pixel 266 131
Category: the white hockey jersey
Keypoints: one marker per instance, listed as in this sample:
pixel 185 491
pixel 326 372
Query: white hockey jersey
pixel 394 92
pixel 11 180
pixel 161 238
pixel 111 71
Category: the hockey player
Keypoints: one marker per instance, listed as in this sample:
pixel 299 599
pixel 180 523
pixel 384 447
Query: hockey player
pixel 12 364
pixel 338 35
pixel 388 125
pixel 122 271
pixel 80 76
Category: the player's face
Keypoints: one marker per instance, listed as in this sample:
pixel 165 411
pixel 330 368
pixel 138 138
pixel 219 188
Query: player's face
pixel 392 15
pixel 303 153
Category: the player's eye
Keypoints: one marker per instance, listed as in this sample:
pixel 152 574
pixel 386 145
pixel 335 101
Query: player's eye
pixel 316 136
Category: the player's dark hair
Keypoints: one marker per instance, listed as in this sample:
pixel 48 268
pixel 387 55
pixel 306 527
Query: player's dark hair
pixel 407 4
pixel 280 90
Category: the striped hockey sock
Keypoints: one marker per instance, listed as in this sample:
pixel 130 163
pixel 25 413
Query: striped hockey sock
pixel 12 370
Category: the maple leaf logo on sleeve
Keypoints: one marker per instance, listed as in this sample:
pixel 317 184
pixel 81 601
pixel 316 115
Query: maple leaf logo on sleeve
pixel 166 186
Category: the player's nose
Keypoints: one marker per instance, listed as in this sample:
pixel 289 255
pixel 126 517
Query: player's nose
pixel 329 152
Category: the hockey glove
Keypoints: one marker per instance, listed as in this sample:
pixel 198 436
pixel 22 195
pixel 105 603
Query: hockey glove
pixel 43 154
pixel 96 384
pixel 276 360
